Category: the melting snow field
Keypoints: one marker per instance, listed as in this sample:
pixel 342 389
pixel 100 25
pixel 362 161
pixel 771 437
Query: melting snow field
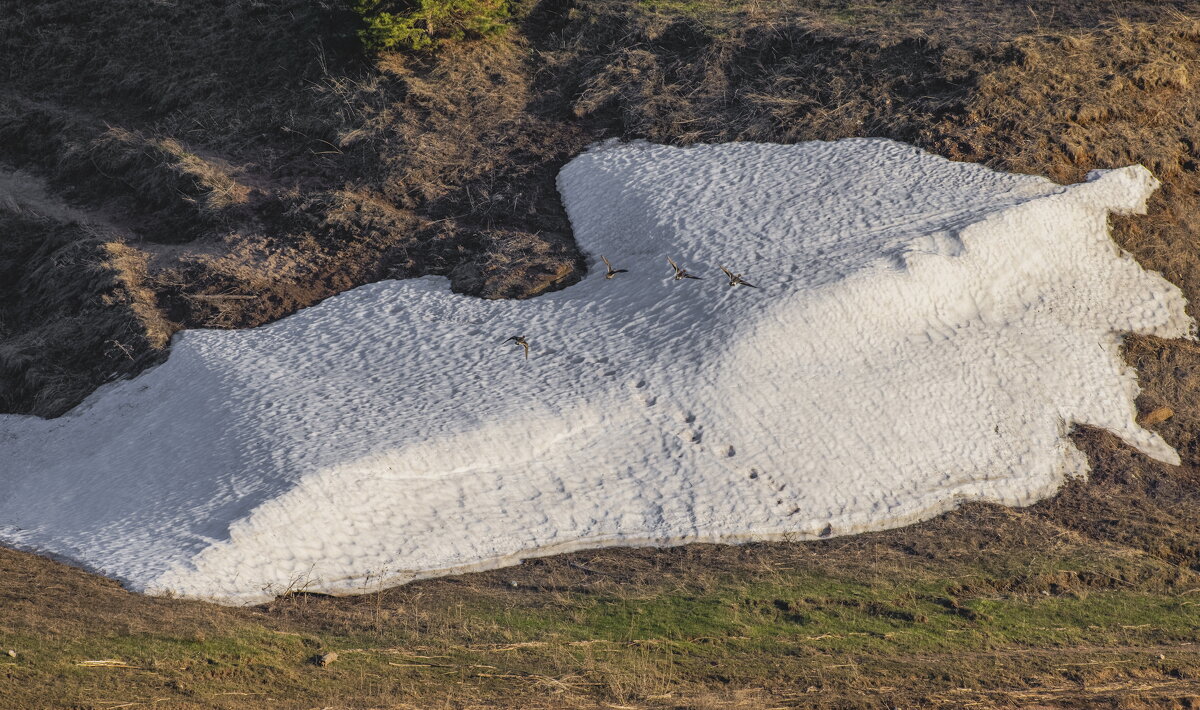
pixel 923 332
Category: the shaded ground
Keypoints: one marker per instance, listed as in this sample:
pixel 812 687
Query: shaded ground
pixel 221 164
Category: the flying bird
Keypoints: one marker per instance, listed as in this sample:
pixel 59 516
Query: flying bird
pixel 736 279
pixel 520 340
pixel 611 271
pixel 679 272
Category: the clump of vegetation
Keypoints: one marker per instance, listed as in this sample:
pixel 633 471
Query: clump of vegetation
pixel 424 24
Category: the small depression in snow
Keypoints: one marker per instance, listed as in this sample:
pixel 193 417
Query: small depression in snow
pixel 919 332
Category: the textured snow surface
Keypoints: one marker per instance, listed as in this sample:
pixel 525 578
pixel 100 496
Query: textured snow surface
pixel 924 332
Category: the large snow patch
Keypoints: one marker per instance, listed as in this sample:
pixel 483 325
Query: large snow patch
pixel 923 332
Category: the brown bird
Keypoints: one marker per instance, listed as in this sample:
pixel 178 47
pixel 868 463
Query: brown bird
pixel 736 279
pixel 611 271
pixel 679 272
pixel 520 340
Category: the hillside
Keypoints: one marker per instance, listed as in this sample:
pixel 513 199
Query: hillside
pixel 211 164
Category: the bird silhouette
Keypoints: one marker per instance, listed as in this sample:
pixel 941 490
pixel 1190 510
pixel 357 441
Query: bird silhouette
pixel 520 340
pixel 680 273
pixel 736 279
pixel 611 271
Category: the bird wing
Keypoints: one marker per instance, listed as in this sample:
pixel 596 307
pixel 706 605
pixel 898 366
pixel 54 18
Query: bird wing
pixel 606 262
pixel 673 264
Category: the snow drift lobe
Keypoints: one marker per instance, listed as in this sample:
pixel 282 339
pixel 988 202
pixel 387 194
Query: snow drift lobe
pixel 922 332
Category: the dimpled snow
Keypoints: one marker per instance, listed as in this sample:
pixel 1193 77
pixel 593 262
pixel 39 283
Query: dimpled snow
pixel 919 332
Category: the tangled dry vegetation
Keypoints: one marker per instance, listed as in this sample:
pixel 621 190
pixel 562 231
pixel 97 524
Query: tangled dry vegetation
pixel 261 165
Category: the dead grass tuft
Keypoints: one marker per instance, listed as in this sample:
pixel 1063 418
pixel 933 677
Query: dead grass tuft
pixel 77 312
pixel 183 193
pixel 510 264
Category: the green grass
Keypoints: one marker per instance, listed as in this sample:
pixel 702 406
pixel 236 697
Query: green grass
pixel 851 615
pixel 768 631
pixel 1086 600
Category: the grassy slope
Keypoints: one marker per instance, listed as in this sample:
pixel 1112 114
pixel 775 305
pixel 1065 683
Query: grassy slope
pixel 304 172
pixel 899 619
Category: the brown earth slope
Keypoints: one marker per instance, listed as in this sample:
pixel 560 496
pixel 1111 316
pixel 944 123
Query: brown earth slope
pixel 221 164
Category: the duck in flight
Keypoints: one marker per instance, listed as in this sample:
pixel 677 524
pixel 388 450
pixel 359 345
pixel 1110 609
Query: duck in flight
pixel 680 273
pixel 736 279
pixel 520 340
pixel 611 271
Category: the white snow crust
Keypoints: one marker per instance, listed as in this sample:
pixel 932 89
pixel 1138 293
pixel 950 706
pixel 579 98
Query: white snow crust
pixel 925 332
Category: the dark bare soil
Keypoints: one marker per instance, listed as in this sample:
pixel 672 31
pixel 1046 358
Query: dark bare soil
pixel 223 164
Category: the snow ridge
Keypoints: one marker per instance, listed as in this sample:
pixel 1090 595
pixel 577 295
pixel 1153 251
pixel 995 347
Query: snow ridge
pixel 922 332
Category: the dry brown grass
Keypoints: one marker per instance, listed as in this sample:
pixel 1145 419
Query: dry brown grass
pixel 178 192
pixel 1062 106
pixel 303 172
pixel 942 614
pixel 74 297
